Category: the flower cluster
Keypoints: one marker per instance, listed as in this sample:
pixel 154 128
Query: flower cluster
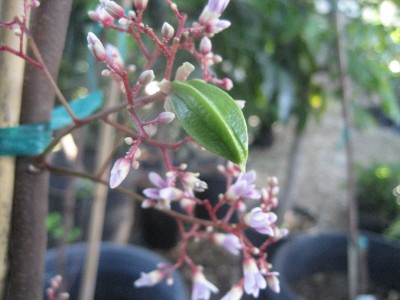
pixel 241 192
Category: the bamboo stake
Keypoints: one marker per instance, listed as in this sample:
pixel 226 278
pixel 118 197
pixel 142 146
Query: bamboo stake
pixel 12 68
pixel 353 234
pixel 105 147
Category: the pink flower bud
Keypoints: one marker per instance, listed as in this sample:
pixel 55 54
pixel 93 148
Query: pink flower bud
pixel 140 4
pixel 273 282
pixel 114 10
pixel 166 117
pixel 167 31
pixel 183 72
pixel 94 15
pixel 96 47
pixel 226 84
pixel 119 171
pixel 35 3
pixel 146 77
pixel 205 45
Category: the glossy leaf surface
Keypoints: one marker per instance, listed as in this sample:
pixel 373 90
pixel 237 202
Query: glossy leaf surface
pixel 212 118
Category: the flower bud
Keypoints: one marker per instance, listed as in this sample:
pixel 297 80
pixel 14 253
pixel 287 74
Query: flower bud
pixel 119 171
pixel 35 3
pixel 115 10
pixel 146 77
pixel 166 117
pixel 140 4
pixel 132 14
pixel 184 71
pixel 205 45
pixel 93 15
pixel 114 56
pixel 226 84
pixel 241 103
pixel 167 31
pixel 96 47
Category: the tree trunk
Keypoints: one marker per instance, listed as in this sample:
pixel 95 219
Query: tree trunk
pixel 28 231
pixel 12 68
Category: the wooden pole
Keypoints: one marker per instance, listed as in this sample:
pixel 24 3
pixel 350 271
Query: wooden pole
pixel 105 147
pixel 353 235
pixel 28 230
pixel 12 74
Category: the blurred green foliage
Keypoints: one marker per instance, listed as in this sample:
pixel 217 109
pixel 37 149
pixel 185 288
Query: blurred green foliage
pixel 56 230
pixel 375 189
pixel 280 54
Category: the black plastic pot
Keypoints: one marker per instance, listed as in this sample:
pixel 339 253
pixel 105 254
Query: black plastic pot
pixel 307 254
pixel 119 267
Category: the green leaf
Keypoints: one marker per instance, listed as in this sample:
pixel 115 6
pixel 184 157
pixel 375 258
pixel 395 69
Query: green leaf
pixel 212 118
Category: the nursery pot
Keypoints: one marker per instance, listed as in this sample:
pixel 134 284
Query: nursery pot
pixel 119 267
pixel 304 255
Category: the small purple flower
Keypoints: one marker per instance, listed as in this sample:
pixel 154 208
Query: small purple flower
pixel 119 171
pixel 209 17
pixel 164 193
pixel 149 279
pixel 260 221
pixel 217 6
pixel 253 279
pixel 202 288
pixel 244 187
pixel 213 10
pixel 229 241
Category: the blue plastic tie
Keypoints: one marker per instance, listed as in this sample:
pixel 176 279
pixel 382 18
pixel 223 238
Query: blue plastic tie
pixel 31 139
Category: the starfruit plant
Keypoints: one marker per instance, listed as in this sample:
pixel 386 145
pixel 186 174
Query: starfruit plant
pixel 212 119
pixel 209 116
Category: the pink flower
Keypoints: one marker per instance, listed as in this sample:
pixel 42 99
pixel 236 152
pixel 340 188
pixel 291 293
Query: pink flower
pixel 163 194
pixel 209 17
pixel 260 220
pixel 119 171
pixel 243 187
pixel 202 288
pixel 235 293
pixel 253 279
pixel 229 241
pixel 149 279
pixel 213 10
